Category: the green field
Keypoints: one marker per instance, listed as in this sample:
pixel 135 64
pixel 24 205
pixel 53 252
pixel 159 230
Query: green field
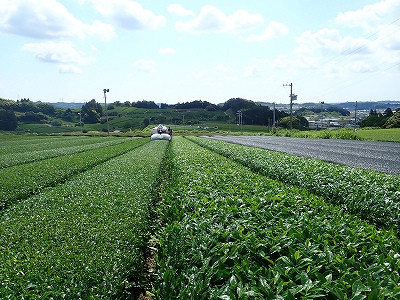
pixel 385 135
pixel 118 217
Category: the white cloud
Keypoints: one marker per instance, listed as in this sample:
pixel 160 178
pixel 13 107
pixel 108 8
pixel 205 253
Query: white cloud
pixel 223 68
pixel 146 66
pixel 129 14
pixel 213 20
pixel 330 42
pixel 69 69
pixel 371 16
pixel 198 75
pixel 252 71
pixel 300 62
pixel 179 10
pixel 361 67
pixel 274 30
pixel 61 52
pixel 101 30
pixel 47 19
pixel 167 51
pixel 260 60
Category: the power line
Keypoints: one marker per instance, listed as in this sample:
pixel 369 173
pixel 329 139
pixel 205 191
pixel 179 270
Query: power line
pixel 387 31
pixel 353 83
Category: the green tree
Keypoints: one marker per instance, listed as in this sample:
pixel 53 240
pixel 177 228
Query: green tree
pixel 285 122
pixel 257 115
pixel 91 112
pixel 34 117
pixel 46 108
pixel 25 105
pixel 393 121
pixel 145 104
pixel 374 119
pixel 236 104
pixel 388 113
pixel 8 120
pixel 68 115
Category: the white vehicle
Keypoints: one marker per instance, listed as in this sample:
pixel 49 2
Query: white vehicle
pixel 161 132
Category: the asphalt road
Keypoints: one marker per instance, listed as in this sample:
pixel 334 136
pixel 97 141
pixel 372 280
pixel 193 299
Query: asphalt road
pixel 378 156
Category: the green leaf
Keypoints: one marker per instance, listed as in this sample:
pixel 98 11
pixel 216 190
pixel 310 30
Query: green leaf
pixel 297 255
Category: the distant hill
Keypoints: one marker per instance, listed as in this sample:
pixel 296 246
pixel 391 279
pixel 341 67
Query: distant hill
pixel 368 105
pixel 68 105
pixel 361 105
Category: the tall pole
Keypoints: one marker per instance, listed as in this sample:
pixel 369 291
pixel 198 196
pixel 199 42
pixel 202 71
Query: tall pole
pixel 355 117
pixel 80 120
pixel 240 119
pixel 291 104
pixel 105 103
pixel 273 120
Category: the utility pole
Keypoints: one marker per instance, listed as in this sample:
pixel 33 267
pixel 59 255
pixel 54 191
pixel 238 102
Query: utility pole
pixel 105 103
pixel 292 98
pixel 273 120
pixel 80 120
pixel 240 119
pixel 355 117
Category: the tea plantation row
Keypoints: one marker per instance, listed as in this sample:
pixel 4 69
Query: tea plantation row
pixel 85 238
pixel 25 179
pixel 233 234
pixel 373 196
pixel 85 225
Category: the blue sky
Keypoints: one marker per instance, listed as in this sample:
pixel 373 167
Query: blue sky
pixel 170 52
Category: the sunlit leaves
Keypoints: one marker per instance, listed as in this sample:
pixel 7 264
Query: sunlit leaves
pixel 233 234
pixel 371 195
pixel 22 180
pixel 85 238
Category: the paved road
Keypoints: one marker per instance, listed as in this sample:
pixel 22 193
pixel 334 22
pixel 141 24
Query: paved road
pixel 379 156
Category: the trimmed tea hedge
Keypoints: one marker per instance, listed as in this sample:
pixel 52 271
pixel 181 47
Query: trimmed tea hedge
pixel 86 238
pixel 371 195
pixel 21 181
pixel 234 234
pixel 21 153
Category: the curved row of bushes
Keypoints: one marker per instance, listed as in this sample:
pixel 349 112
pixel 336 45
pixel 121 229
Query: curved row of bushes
pixel 21 181
pixel 19 154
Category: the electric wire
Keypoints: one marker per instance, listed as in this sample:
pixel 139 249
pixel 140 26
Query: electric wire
pixel 386 31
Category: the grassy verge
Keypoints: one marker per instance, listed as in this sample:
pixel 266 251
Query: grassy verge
pixel 377 134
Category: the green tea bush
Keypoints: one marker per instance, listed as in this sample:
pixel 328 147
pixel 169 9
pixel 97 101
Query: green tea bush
pixel 21 181
pixel 371 195
pixel 234 234
pixel 86 238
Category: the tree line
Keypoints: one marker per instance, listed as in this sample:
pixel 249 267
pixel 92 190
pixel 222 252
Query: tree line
pixel 387 119
pixel 253 113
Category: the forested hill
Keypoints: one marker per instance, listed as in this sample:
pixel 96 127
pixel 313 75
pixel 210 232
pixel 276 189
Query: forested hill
pixel 133 115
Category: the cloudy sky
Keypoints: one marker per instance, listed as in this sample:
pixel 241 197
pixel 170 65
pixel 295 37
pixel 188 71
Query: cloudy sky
pixel 170 52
